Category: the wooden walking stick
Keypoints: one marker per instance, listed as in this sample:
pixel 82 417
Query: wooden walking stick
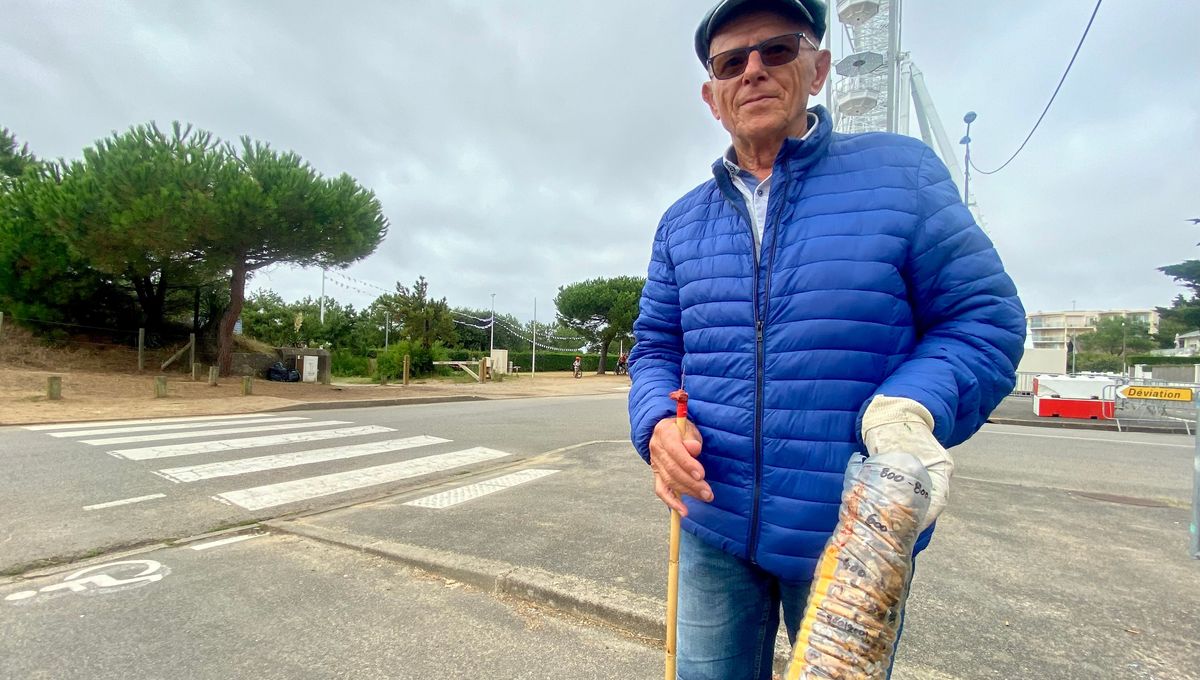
pixel 680 397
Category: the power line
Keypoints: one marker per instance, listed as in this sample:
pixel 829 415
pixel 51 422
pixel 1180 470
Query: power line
pixel 1052 97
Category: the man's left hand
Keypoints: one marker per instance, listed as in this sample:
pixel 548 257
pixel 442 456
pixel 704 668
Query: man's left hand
pixel 897 425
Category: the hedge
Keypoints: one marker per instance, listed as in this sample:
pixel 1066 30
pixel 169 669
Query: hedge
pixel 559 361
pixel 1155 360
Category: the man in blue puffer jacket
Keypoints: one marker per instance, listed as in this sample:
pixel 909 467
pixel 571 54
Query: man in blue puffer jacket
pixel 823 295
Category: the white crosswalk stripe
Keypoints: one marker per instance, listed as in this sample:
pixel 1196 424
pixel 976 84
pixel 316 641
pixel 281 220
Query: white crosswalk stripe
pixel 173 426
pixel 271 495
pixel 172 450
pixel 207 433
pixel 143 421
pixel 463 494
pixel 195 473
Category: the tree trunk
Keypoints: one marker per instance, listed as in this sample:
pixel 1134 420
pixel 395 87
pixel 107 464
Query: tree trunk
pixel 237 296
pixel 151 299
pixel 604 343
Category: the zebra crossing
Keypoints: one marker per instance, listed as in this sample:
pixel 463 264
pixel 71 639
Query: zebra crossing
pixel 181 463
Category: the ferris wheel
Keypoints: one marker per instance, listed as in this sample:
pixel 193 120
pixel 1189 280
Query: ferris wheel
pixel 877 84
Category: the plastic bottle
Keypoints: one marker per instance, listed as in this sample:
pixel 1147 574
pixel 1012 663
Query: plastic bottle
pixel 850 622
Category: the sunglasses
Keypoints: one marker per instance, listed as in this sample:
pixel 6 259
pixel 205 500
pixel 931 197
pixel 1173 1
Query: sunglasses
pixel 776 51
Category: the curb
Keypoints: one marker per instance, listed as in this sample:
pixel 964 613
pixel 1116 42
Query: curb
pixel 621 609
pixel 1096 425
pixel 366 403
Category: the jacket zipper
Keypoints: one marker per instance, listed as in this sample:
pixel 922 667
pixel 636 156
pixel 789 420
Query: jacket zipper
pixel 760 364
pixel 760 372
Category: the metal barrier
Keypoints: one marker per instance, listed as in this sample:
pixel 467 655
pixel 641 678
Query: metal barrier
pixel 1128 410
pixel 1025 383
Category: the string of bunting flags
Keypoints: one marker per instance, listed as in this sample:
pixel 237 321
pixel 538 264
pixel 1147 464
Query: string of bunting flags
pixel 359 282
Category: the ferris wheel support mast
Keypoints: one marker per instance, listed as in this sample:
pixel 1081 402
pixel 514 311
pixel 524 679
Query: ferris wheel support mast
pixel 932 130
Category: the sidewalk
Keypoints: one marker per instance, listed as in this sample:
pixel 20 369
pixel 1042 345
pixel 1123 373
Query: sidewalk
pixel 1020 582
pixel 106 396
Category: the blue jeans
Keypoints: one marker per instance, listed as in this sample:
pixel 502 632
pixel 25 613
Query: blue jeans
pixel 728 614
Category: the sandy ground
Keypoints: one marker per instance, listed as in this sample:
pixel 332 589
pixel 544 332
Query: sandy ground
pixel 105 395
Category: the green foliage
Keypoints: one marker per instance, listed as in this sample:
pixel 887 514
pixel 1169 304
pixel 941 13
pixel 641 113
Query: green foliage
pixel 424 321
pixel 41 275
pixel 553 361
pixel 391 362
pixel 1186 273
pixel 1116 336
pixel 601 310
pixel 1098 362
pixel 460 354
pixel 344 362
pixel 1183 316
pixel 13 161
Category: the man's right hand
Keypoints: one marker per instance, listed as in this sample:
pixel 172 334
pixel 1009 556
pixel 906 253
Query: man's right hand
pixel 676 470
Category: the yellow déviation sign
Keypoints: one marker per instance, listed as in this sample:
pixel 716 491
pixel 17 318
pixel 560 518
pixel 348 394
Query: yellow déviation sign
pixel 1163 393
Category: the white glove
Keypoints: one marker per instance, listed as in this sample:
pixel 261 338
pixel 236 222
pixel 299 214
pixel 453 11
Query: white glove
pixel 897 425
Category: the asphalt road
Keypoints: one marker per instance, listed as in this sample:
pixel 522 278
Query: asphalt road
pixel 54 477
pixel 283 607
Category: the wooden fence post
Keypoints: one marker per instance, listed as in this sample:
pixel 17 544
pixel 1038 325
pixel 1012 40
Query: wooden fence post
pixel 213 373
pixel 141 349
pixel 247 385
pixel 160 386
pixel 54 387
pixel 192 344
pixel 196 369
pixel 407 368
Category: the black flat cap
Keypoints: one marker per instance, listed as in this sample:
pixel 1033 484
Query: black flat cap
pixel 811 12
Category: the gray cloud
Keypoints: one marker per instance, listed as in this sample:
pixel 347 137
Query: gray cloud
pixel 521 145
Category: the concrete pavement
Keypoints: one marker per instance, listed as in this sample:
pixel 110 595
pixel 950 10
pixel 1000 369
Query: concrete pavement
pixel 1028 576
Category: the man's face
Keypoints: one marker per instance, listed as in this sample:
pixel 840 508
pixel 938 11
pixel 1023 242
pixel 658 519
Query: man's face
pixel 765 103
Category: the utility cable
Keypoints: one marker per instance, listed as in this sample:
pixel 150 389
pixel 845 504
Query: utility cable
pixel 1052 97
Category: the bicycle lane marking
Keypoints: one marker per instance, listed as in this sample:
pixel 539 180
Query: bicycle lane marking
pixel 99 579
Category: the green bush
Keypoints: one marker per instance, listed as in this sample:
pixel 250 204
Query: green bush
pixel 558 361
pixel 344 362
pixel 460 354
pixel 391 362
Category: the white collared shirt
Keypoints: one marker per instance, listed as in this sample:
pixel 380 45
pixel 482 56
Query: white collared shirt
pixel 755 192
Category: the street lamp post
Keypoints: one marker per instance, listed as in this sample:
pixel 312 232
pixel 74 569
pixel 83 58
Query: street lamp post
pixel 492 342
pixel 966 141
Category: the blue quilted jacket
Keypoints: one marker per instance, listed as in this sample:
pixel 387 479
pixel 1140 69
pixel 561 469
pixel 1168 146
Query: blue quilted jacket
pixel 874 279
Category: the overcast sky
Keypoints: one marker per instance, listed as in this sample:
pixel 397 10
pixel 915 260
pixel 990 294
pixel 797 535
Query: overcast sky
pixel 520 145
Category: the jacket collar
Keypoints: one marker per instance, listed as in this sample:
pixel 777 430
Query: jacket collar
pixel 796 155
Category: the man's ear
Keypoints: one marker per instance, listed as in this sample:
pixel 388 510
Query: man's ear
pixel 706 94
pixel 824 63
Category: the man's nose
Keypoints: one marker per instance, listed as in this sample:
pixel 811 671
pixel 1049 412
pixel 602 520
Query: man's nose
pixel 754 66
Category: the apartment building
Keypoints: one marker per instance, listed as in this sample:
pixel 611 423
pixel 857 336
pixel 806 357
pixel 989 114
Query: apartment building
pixel 1051 330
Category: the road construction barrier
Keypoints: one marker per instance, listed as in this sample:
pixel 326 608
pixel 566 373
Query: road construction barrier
pixel 1154 403
pixel 1073 396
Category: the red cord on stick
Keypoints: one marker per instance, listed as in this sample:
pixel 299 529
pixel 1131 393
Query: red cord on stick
pixel 680 396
